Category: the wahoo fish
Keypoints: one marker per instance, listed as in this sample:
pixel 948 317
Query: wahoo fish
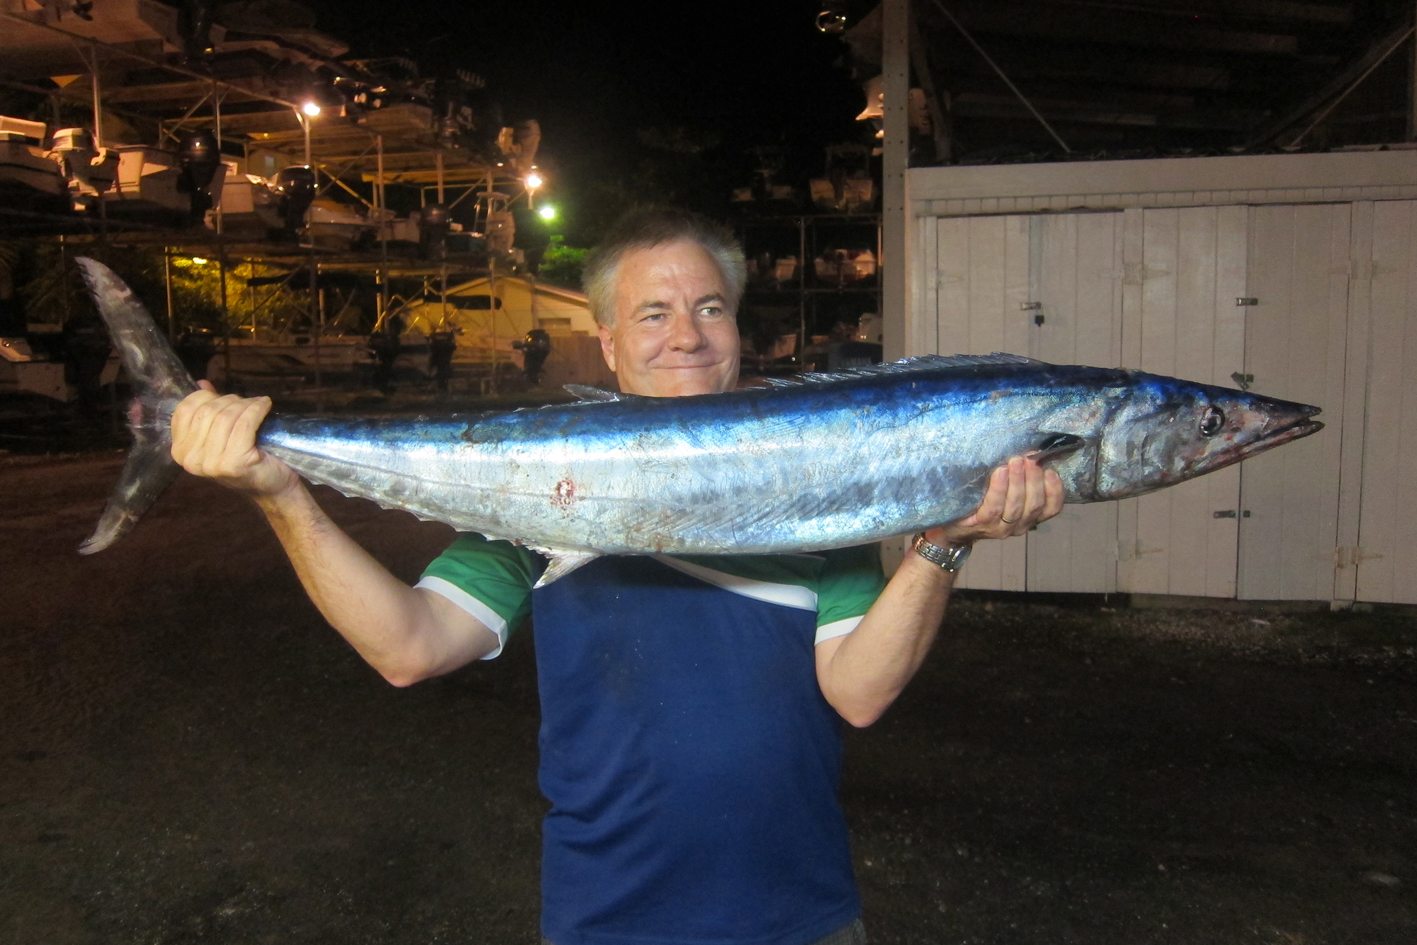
pixel 819 461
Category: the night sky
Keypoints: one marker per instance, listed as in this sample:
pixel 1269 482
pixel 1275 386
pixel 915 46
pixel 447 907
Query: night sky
pixel 728 75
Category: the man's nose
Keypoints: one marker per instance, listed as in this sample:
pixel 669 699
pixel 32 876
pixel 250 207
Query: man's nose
pixel 686 334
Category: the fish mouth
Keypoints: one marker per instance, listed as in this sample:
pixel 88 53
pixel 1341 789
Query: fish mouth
pixel 1300 425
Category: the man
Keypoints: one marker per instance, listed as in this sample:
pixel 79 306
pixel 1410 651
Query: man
pixel 691 707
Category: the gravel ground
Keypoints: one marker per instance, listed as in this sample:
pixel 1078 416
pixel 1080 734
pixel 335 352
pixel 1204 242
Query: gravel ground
pixel 188 754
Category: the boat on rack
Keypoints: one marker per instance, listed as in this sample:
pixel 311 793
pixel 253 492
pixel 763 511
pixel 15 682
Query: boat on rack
pixel 30 180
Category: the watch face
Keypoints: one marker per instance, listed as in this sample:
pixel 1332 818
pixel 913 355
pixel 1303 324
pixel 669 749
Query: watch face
pixel 955 556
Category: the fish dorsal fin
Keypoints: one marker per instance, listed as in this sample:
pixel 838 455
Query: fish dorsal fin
pixel 586 394
pixel 923 362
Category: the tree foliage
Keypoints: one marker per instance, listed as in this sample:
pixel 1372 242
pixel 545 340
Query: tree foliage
pixel 45 287
pixel 562 264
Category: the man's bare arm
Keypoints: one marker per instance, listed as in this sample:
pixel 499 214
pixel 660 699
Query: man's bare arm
pixel 405 633
pixel 863 672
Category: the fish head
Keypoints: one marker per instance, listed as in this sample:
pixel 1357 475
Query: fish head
pixel 1163 431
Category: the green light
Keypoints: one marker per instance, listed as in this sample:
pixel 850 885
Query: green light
pixel 547 212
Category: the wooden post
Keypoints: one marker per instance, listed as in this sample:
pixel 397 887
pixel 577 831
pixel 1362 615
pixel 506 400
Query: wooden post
pixel 895 153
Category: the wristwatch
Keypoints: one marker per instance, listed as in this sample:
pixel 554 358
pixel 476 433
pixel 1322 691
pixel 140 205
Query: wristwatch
pixel 949 558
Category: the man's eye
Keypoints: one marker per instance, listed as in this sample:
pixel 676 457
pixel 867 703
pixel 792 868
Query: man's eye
pixel 711 311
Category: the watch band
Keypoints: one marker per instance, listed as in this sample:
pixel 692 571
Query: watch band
pixel 948 558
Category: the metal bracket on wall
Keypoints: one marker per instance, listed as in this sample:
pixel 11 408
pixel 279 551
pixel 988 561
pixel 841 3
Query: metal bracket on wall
pixel 1350 556
pixel 1036 308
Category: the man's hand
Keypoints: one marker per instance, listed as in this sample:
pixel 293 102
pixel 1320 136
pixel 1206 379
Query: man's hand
pixel 1020 495
pixel 214 436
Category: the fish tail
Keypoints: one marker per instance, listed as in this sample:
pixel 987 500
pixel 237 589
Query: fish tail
pixel 160 381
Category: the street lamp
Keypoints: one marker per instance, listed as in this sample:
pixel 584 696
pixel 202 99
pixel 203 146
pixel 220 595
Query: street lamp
pixel 306 113
pixel 532 181
pixel 308 109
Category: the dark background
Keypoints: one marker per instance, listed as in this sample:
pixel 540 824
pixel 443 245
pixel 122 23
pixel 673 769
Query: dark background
pixel 635 101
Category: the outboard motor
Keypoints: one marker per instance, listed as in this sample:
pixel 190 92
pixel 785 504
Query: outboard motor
pixel 194 25
pixel 295 191
pixel 434 221
pixel 90 170
pixel 200 158
pixel 534 346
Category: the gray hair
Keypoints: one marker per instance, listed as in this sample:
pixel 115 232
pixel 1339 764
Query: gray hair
pixel 656 226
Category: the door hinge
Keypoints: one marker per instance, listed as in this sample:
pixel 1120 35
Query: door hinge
pixel 1349 556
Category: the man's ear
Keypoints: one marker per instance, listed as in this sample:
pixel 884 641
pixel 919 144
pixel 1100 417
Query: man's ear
pixel 607 346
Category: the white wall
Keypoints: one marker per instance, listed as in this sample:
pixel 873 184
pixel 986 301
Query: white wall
pixel 1326 248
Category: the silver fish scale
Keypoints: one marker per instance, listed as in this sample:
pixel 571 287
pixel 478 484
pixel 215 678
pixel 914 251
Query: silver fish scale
pixel 840 465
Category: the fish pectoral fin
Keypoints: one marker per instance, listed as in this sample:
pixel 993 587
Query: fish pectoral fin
pixel 562 563
pixel 1055 446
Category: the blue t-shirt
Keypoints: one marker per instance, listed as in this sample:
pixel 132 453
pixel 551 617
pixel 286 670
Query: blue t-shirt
pixel 691 762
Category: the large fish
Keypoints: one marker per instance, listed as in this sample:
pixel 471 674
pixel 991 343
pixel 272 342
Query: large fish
pixel 822 461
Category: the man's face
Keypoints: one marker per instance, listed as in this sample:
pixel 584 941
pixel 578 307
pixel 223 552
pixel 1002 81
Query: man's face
pixel 674 333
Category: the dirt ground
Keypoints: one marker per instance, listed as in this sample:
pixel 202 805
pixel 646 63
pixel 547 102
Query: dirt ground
pixel 188 754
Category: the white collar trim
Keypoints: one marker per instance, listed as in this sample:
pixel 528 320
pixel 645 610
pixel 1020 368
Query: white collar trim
pixel 786 595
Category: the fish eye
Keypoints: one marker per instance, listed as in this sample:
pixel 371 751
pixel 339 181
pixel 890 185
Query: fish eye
pixel 1212 421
